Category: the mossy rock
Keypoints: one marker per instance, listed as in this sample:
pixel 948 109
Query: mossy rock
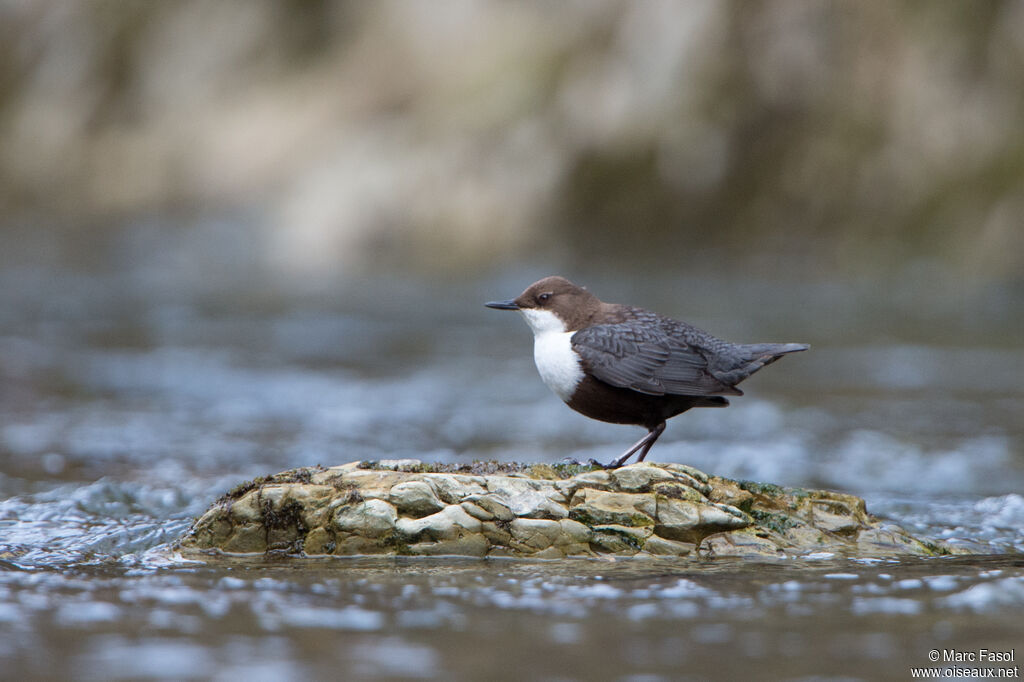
pixel 546 511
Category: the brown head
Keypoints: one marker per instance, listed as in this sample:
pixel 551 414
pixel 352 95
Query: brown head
pixel 553 304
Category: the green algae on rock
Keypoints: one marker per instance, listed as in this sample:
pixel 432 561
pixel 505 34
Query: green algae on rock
pixel 491 509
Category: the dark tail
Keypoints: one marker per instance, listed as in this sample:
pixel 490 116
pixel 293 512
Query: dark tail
pixel 767 353
pixel 754 356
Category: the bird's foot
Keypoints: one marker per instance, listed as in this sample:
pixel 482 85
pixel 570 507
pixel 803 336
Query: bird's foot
pixel 614 464
pixel 591 462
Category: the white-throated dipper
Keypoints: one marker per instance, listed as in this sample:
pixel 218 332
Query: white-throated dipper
pixel 627 365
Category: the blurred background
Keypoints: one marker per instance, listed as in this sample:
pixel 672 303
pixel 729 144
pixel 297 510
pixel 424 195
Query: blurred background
pixel 240 236
pixel 303 140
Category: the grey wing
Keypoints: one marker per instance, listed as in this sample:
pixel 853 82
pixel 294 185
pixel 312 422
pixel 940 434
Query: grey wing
pixel 646 360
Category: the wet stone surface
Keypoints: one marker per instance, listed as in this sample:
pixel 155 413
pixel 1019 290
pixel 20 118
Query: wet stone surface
pixel 405 507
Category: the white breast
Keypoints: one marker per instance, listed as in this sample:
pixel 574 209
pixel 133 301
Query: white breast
pixel 557 362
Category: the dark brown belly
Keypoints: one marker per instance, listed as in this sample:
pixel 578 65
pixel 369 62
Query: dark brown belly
pixel 607 403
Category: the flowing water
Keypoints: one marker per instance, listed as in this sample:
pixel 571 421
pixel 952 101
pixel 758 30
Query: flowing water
pixel 136 391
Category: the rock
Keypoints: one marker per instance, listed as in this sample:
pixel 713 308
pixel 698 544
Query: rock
pixel 531 504
pixel 595 478
pixel 472 544
pixel 476 511
pixel 616 539
pixel 415 498
pixel 249 539
pixel 372 518
pixel 574 538
pixel 492 505
pixel 660 546
pixel 598 507
pixel 678 519
pixel 447 524
pixel 743 543
pixel 492 509
pixel 499 535
pixel 690 490
pixel 634 479
pixel 318 542
pixel 528 498
pixel 453 489
pixel 535 534
pixel 716 517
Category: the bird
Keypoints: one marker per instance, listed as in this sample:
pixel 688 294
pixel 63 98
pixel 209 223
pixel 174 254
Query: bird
pixel 627 365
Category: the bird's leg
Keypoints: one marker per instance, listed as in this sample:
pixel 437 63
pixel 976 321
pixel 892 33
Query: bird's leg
pixel 654 435
pixel 621 459
pixel 643 446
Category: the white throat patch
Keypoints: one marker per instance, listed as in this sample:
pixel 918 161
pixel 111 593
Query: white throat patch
pixel 557 362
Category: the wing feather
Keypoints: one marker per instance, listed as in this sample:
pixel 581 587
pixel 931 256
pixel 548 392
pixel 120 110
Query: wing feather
pixel 646 359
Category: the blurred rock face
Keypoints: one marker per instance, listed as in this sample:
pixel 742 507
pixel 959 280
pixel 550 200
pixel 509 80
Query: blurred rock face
pixel 434 135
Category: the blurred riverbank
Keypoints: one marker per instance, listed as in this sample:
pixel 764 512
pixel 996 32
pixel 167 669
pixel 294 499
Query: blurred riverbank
pixel 839 139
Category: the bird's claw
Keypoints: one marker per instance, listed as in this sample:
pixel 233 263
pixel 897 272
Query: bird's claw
pixel 614 464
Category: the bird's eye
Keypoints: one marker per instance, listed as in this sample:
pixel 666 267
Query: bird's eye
pixel 543 298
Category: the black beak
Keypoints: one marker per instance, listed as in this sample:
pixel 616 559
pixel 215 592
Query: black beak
pixel 502 305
